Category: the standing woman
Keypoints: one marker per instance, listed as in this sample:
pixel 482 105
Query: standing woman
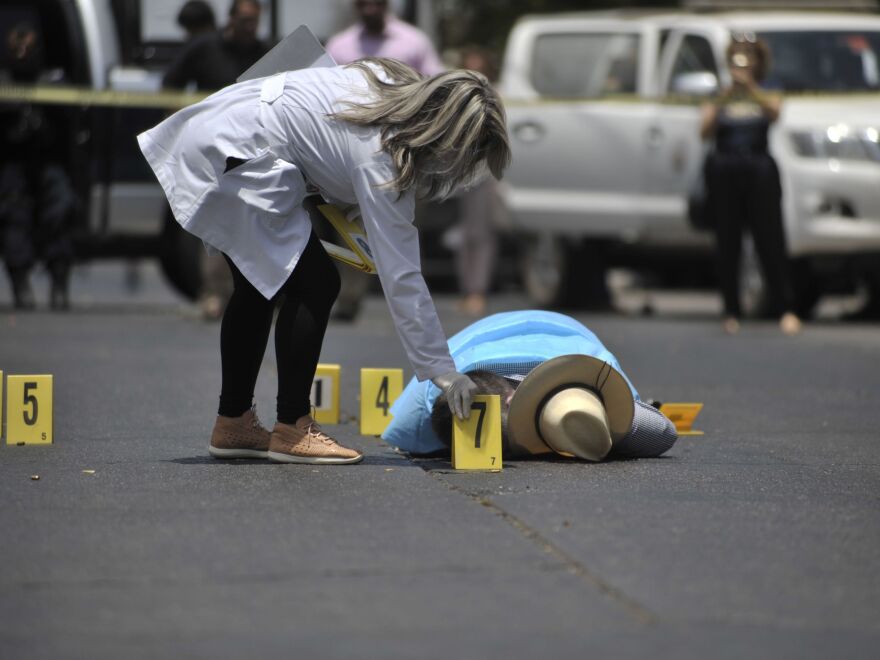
pixel 742 182
pixel 373 134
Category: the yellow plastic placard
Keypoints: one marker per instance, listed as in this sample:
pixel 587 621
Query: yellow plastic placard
pixel 1 404
pixel 325 393
pixel 683 416
pixel 379 390
pixel 476 441
pixel 358 253
pixel 29 410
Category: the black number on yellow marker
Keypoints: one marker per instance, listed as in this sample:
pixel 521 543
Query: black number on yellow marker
pixel 481 406
pixel 30 400
pixel 382 397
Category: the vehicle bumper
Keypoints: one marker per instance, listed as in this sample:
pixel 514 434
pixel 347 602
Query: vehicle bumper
pixel 831 207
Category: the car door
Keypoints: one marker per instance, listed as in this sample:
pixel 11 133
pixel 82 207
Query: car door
pixel 688 73
pixel 577 131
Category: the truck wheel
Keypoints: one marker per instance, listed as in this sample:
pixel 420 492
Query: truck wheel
pixel 180 257
pixel 559 275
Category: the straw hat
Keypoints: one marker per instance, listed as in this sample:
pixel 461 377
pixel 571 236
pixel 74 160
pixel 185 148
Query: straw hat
pixel 576 405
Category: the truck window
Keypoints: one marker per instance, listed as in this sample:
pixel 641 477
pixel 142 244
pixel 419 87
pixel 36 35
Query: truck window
pixel 832 60
pixel 585 65
pixel 694 56
pixel 57 28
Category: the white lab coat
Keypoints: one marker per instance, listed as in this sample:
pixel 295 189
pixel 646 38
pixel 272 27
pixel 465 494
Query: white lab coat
pixel 254 214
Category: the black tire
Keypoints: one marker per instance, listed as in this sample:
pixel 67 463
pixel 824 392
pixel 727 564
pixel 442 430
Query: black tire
pixel 180 257
pixel 557 274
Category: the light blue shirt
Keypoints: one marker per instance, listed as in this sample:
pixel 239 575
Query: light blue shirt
pixel 509 343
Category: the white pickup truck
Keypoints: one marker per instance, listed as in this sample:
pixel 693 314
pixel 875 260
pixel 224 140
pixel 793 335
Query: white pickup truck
pixel 604 115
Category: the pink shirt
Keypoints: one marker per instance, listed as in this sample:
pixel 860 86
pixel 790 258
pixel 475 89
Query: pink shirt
pixel 400 41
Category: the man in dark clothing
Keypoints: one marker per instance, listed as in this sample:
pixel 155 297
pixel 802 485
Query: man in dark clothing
pixel 212 61
pixel 36 196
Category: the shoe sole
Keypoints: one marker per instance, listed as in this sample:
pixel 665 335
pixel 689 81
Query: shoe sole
pixel 218 452
pixel 312 460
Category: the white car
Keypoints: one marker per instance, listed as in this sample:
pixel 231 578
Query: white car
pixel 604 115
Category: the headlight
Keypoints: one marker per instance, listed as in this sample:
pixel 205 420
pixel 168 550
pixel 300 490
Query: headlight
pixel 839 141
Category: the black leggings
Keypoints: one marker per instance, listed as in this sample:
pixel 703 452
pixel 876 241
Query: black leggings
pixel 307 297
pixel 744 193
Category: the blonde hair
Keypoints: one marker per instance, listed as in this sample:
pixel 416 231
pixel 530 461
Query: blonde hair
pixel 441 132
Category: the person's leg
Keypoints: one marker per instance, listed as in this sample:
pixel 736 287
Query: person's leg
pixel 309 295
pixel 299 332
pixel 54 213
pixel 16 211
pixel 764 217
pixel 476 254
pixel 244 333
pixel 722 181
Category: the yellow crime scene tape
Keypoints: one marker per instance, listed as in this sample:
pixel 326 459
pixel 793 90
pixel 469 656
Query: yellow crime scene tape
pixel 83 96
pixel 169 99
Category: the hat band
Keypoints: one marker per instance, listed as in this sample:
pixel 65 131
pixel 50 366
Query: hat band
pixel 556 390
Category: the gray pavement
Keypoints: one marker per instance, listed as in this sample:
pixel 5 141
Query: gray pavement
pixel 759 539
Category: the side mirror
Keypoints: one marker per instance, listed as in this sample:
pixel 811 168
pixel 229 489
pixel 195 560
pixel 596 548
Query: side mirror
pixel 701 83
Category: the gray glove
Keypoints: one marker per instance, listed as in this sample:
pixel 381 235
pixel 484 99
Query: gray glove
pixel 459 391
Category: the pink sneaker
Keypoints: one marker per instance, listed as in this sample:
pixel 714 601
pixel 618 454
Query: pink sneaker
pixel 305 442
pixel 239 437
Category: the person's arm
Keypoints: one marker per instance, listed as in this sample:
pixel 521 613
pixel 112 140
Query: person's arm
pixel 651 434
pixel 395 244
pixel 709 120
pixel 770 103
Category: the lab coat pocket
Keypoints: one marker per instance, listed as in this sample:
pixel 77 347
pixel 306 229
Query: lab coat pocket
pixel 267 184
pixel 273 87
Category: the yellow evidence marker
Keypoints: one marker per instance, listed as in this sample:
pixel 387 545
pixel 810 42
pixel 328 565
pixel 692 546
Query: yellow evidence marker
pixel 29 410
pixel 1 404
pixel 379 390
pixel 683 416
pixel 476 441
pixel 325 394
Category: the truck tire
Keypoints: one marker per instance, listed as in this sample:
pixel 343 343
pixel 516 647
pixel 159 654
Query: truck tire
pixel 180 257
pixel 561 274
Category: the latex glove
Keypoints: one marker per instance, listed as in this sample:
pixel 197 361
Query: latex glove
pixel 459 391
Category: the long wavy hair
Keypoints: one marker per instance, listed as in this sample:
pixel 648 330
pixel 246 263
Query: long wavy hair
pixel 442 132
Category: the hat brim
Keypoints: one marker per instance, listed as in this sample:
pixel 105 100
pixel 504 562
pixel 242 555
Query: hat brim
pixel 568 371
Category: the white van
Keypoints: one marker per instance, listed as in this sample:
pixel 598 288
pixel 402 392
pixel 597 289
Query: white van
pixel 604 116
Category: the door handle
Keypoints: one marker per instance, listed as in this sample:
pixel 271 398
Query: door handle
pixel 528 131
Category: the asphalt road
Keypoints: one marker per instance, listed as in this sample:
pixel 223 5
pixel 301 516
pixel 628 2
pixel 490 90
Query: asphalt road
pixel 759 539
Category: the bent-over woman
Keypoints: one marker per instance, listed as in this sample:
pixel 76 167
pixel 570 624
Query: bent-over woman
pixel 235 168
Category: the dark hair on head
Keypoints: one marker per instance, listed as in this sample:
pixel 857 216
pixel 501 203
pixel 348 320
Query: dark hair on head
pixel 234 5
pixel 747 42
pixel 196 15
pixel 488 382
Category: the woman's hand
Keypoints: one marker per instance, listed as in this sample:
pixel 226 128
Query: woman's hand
pixel 459 391
pixel 742 77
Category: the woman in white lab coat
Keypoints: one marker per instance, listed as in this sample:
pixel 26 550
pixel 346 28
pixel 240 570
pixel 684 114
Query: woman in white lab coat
pixel 372 134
